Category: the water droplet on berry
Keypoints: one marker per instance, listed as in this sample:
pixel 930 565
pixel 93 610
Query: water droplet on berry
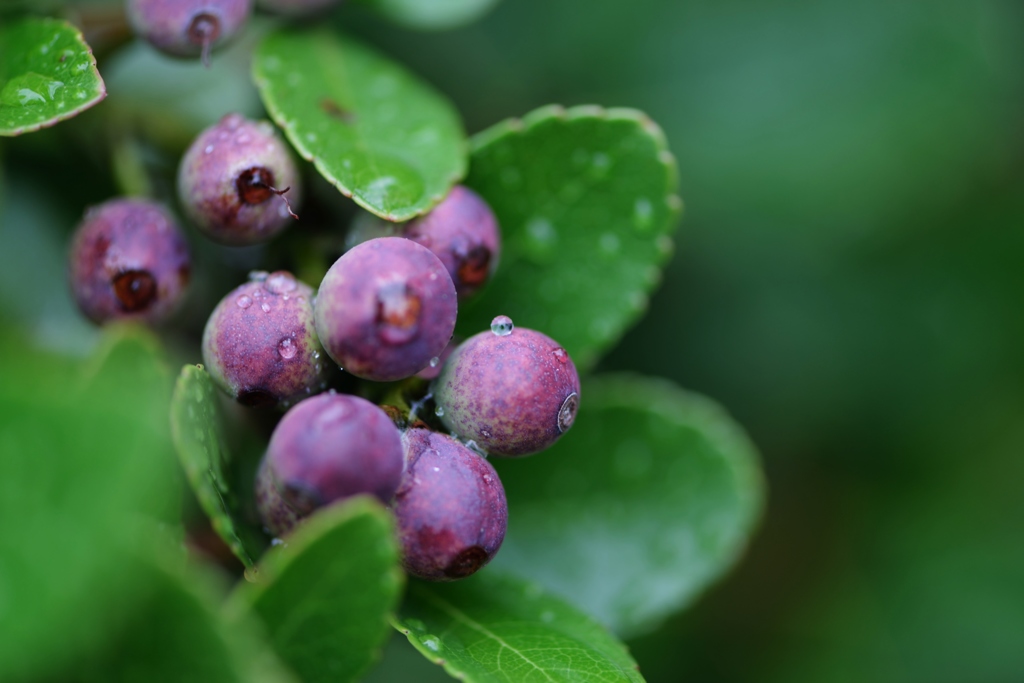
pixel 265 306
pixel 561 355
pixel 287 348
pixel 280 283
pixel 567 413
pixel 434 362
pixel 243 301
pixel 439 411
pixel 208 149
pixel 502 326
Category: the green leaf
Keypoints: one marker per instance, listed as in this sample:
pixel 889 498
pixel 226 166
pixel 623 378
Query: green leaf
pixel 47 74
pixel 177 633
pixel 495 628
pixel 84 455
pixel 432 15
pixel 649 498
pixel 586 199
pixel 326 593
pixel 379 134
pixel 199 439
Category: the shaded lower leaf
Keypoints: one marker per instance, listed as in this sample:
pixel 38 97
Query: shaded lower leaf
pixel 177 633
pixel 199 440
pixel 586 199
pixel 47 74
pixel 650 497
pixel 325 594
pixel 432 15
pixel 495 628
pixel 84 455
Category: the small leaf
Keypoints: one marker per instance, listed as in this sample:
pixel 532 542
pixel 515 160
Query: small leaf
pixel 47 74
pixel 586 199
pixel 494 628
pixel 648 499
pixel 199 440
pixel 431 15
pixel 326 594
pixel 375 131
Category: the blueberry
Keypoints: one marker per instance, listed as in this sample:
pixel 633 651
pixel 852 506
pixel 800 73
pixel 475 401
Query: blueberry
pixel 259 344
pixel 513 391
pixel 325 449
pixel 450 507
pixel 238 183
pixel 463 232
pixel 188 28
pixel 385 308
pixel 128 260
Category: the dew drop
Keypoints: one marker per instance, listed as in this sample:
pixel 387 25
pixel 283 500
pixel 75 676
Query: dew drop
pixel 567 413
pixel 642 213
pixel 252 574
pixel 244 301
pixel 439 411
pixel 287 348
pixel 280 283
pixel 208 149
pixel 434 362
pixel 265 306
pixel 561 355
pixel 432 643
pixel 502 325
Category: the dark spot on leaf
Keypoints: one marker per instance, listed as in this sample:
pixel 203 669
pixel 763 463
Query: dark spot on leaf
pixel 335 111
pixel 466 562
pixel 135 290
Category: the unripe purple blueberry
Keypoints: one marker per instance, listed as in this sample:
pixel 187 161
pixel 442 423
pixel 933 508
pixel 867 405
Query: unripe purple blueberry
pixel 463 232
pixel 238 183
pixel 385 308
pixel 450 507
pixel 259 344
pixel 128 260
pixel 512 390
pixel 188 28
pixel 325 449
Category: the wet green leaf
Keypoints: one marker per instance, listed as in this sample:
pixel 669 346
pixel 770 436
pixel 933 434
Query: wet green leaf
pixel 199 440
pixel 495 628
pixel 325 594
pixel 375 131
pixel 47 74
pixel 432 15
pixel 586 200
pixel 650 497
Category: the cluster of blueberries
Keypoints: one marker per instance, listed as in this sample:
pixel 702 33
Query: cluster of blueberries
pixel 385 311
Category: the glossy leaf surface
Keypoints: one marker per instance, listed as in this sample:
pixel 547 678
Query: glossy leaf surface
pixel 326 593
pixel 375 131
pixel 499 629
pixel 650 497
pixel 586 199
pixel 47 74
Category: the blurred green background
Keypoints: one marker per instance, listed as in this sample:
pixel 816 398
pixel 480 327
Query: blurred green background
pixel 847 284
